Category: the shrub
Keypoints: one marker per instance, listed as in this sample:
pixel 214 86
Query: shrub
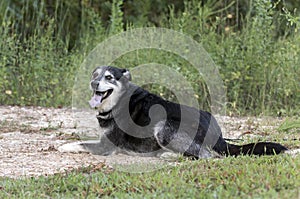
pixel 40 51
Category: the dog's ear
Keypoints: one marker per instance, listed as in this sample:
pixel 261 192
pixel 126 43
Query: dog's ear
pixel 126 74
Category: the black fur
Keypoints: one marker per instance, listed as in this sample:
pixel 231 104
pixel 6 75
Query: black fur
pixel 199 130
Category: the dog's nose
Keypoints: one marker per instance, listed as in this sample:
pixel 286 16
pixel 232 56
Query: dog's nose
pixel 95 84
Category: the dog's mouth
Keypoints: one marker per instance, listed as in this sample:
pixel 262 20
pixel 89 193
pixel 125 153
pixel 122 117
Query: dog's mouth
pixel 104 94
pixel 99 96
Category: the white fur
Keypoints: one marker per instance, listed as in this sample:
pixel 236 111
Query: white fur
pixel 171 156
pixel 110 102
pixel 74 147
pixel 293 152
pixel 158 128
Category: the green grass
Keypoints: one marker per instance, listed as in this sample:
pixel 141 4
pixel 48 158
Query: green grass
pixel 290 124
pixel 241 177
pixel 230 177
pixel 42 47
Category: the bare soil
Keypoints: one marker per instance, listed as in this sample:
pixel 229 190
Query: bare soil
pixel 30 136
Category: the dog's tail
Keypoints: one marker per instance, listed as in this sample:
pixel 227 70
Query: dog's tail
pixel 260 148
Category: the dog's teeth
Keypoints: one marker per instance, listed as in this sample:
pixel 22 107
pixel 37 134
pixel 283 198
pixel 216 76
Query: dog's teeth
pixel 105 94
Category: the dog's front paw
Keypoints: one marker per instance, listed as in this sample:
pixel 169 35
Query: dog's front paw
pixel 75 147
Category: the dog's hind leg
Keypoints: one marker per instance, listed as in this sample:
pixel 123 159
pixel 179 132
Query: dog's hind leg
pixel 179 142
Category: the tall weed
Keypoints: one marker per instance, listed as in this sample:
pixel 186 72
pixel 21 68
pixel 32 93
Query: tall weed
pixel 261 71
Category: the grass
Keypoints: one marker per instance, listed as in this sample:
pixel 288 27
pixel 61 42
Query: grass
pixel 230 177
pixel 241 177
pixel 259 66
pixel 290 124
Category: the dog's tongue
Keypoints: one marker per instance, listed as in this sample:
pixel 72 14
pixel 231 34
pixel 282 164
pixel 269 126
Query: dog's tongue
pixel 95 101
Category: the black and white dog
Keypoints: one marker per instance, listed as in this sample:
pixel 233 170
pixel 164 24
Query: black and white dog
pixel 135 120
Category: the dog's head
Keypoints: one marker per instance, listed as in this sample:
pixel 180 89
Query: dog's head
pixel 108 84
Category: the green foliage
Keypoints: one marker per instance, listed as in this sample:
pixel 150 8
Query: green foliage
pixel 117 24
pixel 256 48
pixel 31 70
pixel 241 177
pixel 261 73
pixel 290 125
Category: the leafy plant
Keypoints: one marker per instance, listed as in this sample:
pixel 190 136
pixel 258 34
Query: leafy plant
pixel 43 45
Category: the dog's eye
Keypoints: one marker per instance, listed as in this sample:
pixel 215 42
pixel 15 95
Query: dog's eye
pixel 108 77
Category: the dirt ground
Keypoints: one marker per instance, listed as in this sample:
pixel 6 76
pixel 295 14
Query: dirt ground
pixel 30 137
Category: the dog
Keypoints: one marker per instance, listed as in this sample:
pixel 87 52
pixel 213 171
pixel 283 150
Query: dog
pixel 135 120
